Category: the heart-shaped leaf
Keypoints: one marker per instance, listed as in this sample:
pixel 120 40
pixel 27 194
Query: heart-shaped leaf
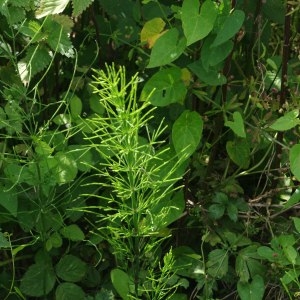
pixel 252 291
pixel 237 126
pixel 197 26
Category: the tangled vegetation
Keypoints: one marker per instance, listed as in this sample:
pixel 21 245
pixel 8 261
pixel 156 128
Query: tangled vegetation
pixel 149 149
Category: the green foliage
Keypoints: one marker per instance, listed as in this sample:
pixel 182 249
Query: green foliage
pixel 177 182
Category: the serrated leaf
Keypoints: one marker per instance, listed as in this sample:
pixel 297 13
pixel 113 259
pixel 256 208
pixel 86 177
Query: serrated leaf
pixel 187 133
pixel 237 125
pixel 37 59
pixel 167 48
pixel 294 157
pixel 239 152
pixel 165 87
pixel 68 291
pixel 50 7
pixel 58 38
pixel 79 6
pixel 197 26
pixel 232 212
pixel 288 121
pixel 230 27
pixel 252 291
pixel 72 232
pixel 71 268
pixel 38 280
pixel 152 30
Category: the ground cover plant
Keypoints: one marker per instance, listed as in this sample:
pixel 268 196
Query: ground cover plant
pixel 149 149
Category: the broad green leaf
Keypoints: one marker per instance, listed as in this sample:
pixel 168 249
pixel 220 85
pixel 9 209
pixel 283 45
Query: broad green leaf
pixel 297 223
pixel 211 76
pixel 274 10
pixel 38 280
pixel 69 291
pixel 230 27
pixel 79 6
pixel 152 30
pixel 291 254
pixel 50 7
pixel 71 268
pixel 217 265
pixel 288 121
pixel 197 26
pixel 187 133
pixel 165 87
pixel 268 253
pixel 9 200
pixel 252 291
pixel 294 157
pixel 167 48
pixel 239 152
pixel 216 55
pixel 66 168
pixel 121 283
pixel 237 125
pixel 216 211
pixel 75 106
pixel 232 211
pixel 72 232
pixel 248 263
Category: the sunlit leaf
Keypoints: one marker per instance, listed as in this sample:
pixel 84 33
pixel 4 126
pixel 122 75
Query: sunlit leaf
pixel 167 48
pixel 165 87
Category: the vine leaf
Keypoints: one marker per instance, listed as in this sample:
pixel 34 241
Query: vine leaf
pixel 237 125
pixel 239 152
pixel 252 291
pixel 152 30
pixel 165 87
pixel 167 48
pixel 288 121
pixel 230 27
pixel 197 26
pixel 187 133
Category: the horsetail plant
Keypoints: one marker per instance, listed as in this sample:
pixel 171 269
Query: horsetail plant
pixel 138 177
